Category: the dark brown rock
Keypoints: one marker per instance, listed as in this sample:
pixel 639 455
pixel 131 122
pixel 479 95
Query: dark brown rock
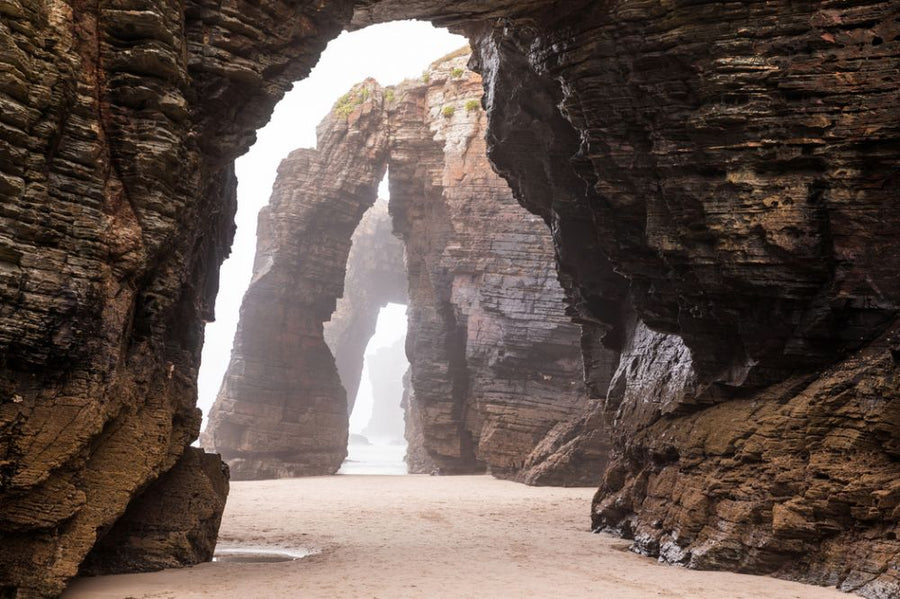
pixel 724 174
pixel 796 481
pixel 119 125
pixel 717 242
pixel 174 523
pixel 282 410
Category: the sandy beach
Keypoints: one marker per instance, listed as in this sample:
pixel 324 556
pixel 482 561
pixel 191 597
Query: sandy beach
pixel 422 536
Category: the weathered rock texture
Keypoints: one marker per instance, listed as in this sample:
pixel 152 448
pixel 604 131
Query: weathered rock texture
pixel 119 122
pixel 725 174
pixel 495 363
pixel 722 223
pixel 376 276
pixel 417 459
pixel 281 410
pixel 494 359
pixel 173 523
pixel 387 367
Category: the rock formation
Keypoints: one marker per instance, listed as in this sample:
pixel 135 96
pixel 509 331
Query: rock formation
pixel 417 459
pixel 737 203
pixel 494 359
pixel 281 410
pixel 719 179
pixel 376 276
pixel 387 367
pixel 173 523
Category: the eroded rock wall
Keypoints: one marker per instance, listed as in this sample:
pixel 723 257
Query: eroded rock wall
pixel 495 361
pixel 171 524
pixel 281 410
pixel 376 276
pixel 723 173
pixel 737 185
pixel 119 125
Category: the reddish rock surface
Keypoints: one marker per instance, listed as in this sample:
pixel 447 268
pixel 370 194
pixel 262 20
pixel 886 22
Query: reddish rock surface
pixel 495 362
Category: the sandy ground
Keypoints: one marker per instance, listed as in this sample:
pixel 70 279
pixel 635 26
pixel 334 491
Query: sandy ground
pixel 422 536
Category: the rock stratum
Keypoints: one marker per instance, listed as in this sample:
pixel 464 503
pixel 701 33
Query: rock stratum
pixel 494 360
pixel 719 180
pixel 282 410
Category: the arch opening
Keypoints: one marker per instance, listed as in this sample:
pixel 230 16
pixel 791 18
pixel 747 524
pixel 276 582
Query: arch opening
pixel 377 441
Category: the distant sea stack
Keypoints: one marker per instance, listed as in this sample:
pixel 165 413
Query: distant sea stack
pixel 376 276
pixel 387 366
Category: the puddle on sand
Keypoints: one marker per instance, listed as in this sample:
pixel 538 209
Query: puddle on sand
pixel 258 555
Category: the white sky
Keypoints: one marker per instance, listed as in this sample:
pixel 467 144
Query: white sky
pixel 390 53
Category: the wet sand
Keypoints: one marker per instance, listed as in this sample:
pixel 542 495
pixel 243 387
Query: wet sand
pixel 423 536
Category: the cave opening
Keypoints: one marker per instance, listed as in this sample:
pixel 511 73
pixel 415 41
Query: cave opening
pixel 121 174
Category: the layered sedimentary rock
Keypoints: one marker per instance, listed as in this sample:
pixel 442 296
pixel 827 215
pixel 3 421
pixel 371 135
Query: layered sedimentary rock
pixel 173 523
pixel 417 459
pixel 724 174
pixel 494 359
pixel 376 276
pixel 387 367
pixel 281 410
pixel 495 363
pixel 735 190
pixel 118 126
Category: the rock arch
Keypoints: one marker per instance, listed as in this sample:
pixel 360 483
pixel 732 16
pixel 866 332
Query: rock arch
pixel 495 364
pixel 727 184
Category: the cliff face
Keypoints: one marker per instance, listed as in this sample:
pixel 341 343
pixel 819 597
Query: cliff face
pixel 494 359
pixel 281 410
pixel 173 523
pixel 495 363
pixel 736 189
pixel 719 182
pixel 119 125
pixel 376 276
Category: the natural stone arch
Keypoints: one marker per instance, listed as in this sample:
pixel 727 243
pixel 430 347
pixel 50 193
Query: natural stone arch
pixel 282 410
pixel 495 366
pixel 122 125
pixel 376 277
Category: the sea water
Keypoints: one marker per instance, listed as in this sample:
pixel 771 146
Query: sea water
pixel 379 457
